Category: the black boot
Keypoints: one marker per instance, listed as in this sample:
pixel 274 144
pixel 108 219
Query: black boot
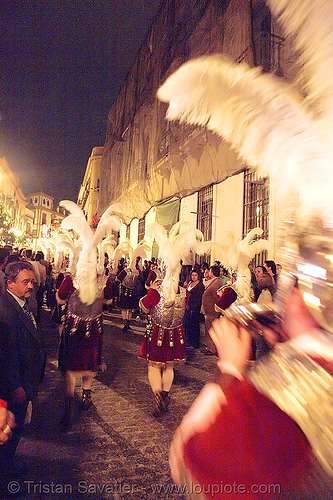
pixel 68 417
pixel 159 410
pixel 165 401
pixel 86 399
pixel 126 325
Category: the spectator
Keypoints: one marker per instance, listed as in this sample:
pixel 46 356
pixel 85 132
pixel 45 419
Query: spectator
pixel 259 270
pixel 224 276
pixel 41 289
pixel 33 298
pixel 271 269
pixel 206 278
pixel 266 288
pixel 194 292
pixel 23 363
pixel 209 299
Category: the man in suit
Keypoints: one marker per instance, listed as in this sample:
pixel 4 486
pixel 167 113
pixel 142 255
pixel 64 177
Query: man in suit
pixel 209 299
pixel 23 353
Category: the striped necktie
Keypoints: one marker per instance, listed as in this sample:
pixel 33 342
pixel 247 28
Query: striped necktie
pixel 29 314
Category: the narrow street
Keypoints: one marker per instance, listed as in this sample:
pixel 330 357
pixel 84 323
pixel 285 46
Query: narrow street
pixel 116 449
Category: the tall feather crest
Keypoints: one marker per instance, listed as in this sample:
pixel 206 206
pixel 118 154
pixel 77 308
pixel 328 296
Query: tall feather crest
pixel 181 242
pixel 141 250
pixel 107 246
pixel 76 221
pixel 260 116
pixel 88 264
pixel 237 254
pixel 109 220
pixel 122 250
pixel 310 22
pixel 244 252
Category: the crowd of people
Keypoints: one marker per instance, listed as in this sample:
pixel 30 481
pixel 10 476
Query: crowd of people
pixel 179 322
pixel 133 289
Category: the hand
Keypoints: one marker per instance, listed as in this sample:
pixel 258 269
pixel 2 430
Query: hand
pixel 7 423
pixel 298 319
pixel 156 284
pixel 19 396
pixel 233 343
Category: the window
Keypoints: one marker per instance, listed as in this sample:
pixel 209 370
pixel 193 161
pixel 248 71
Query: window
pixel 256 207
pixel 205 212
pixel 43 218
pixel 128 231
pixel 141 229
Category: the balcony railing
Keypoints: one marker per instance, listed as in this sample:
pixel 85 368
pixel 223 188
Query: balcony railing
pixel 168 145
pixel 268 53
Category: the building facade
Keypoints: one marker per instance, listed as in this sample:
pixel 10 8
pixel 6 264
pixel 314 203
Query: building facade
pixel 149 162
pixel 13 199
pixel 46 217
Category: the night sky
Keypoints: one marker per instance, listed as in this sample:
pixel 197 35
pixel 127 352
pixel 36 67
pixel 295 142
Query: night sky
pixel 62 65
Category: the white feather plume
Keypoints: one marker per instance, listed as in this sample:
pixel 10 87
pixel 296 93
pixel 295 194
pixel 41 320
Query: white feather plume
pixel 182 240
pixel 237 254
pixel 260 116
pixel 141 250
pixel 310 22
pixel 48 246
pixel 245 251
pixel 109 220
pixel 76 221
pixel 155 230
pixel 123 250
pixel 87 266
pixel 69 247
pixel 107 246
pixel 86 275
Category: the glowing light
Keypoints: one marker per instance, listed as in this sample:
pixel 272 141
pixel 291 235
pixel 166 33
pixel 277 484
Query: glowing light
pixel 16 232
pixel 312 270
pixel 311 299
pixel 330 258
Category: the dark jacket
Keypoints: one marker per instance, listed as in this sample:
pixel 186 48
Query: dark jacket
pixel 194 297
pixel 23 351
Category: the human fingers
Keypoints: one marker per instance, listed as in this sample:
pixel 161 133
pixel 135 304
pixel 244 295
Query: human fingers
pixel 5 434
pixel 11 420
pixel 246 341
pixel 222 332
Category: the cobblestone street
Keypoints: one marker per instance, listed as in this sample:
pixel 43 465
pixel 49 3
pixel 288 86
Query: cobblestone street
pixel 117 449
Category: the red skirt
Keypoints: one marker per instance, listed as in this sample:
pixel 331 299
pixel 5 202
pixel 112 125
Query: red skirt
pixel 163 345
pixel 81 345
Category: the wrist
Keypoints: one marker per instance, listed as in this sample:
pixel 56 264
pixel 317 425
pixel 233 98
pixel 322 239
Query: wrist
pixel 230 369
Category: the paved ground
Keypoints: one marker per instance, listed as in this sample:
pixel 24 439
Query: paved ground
pixel 117 449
